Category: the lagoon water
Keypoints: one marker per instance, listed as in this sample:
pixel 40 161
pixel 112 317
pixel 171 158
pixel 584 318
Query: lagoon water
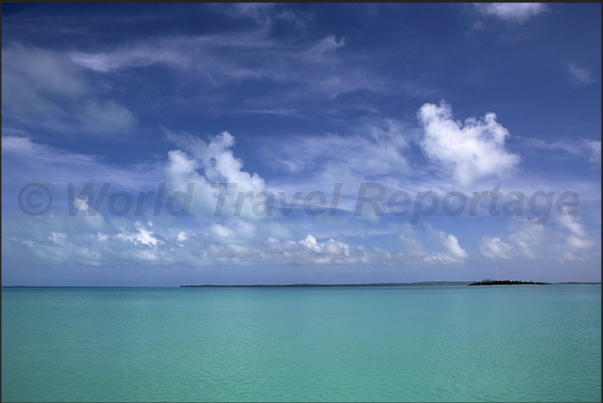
pixel 446 343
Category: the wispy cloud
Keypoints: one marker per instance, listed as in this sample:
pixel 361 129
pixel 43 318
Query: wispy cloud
pixel 24 160
pixel 304 76
pixel 44 88
pixel 511 12
pixel 580 74
pixel 257 11
pixel 585 149
pixel 224 58
pixel 594 148
pixel 263 13
pixel 377 150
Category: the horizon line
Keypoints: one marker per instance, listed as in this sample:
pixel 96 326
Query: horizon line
pixel 299 285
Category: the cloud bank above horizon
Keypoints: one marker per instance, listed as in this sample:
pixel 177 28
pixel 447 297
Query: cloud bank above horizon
pixel 294 110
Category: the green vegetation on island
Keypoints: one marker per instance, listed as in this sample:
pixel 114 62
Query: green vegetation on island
pixel 507 282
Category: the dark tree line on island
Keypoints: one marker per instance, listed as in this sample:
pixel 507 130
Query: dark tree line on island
pixel 506 282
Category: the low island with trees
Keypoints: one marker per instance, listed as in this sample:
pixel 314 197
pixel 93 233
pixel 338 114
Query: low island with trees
pixel 507 282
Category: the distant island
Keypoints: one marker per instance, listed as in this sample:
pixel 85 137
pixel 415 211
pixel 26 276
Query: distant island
pixel 423 283
pixel 507 282
pixel 310 285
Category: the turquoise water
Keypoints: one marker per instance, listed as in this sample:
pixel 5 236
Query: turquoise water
pixel 510 343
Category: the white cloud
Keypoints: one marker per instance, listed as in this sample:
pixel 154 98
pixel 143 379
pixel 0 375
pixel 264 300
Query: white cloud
pixel 102 243
pixel 206 240
pixel 203 240
pixel 430 246
pixel 31 76
pixel 586 149
pixel 594 148
pixel 324 48
pixel 29 160
pixel 45 70
pixel 141 235
pixel 310 69
pixel 108 117
pixel 522 244
pixel 264 14
pixel 514 12
pixel 530 242
pixel 494 248
pixel 217 163
pixel 577 242
pixel 44 88
pixel 473 150
pixel 140 56
pixel 567 241
pixel 376 151
pixel 310 251
pixel 451 244
pixel 450 252
pixel 571 148
pixel 221 231
pixel 57 237
pixel 81 204
pixel 580 74
pixel 259 12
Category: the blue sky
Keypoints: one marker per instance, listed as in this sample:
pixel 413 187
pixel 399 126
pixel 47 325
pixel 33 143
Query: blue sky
pixel 285 98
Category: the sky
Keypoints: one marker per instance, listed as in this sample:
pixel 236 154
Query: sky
pixel 161 144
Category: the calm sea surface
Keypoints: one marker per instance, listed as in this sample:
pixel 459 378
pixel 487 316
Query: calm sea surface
pixel 510 343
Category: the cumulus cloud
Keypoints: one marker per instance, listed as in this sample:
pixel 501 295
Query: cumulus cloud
pixel 494 248
pixel 102 243
pixel 203 240
pixel 450 251
pixel 51 239
pixel 310 251
pixel 430 246
pixel 513 12
pixel 142 235
pixel 568 241
pixel 452 247
pixel 473 150
pixel 210 163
